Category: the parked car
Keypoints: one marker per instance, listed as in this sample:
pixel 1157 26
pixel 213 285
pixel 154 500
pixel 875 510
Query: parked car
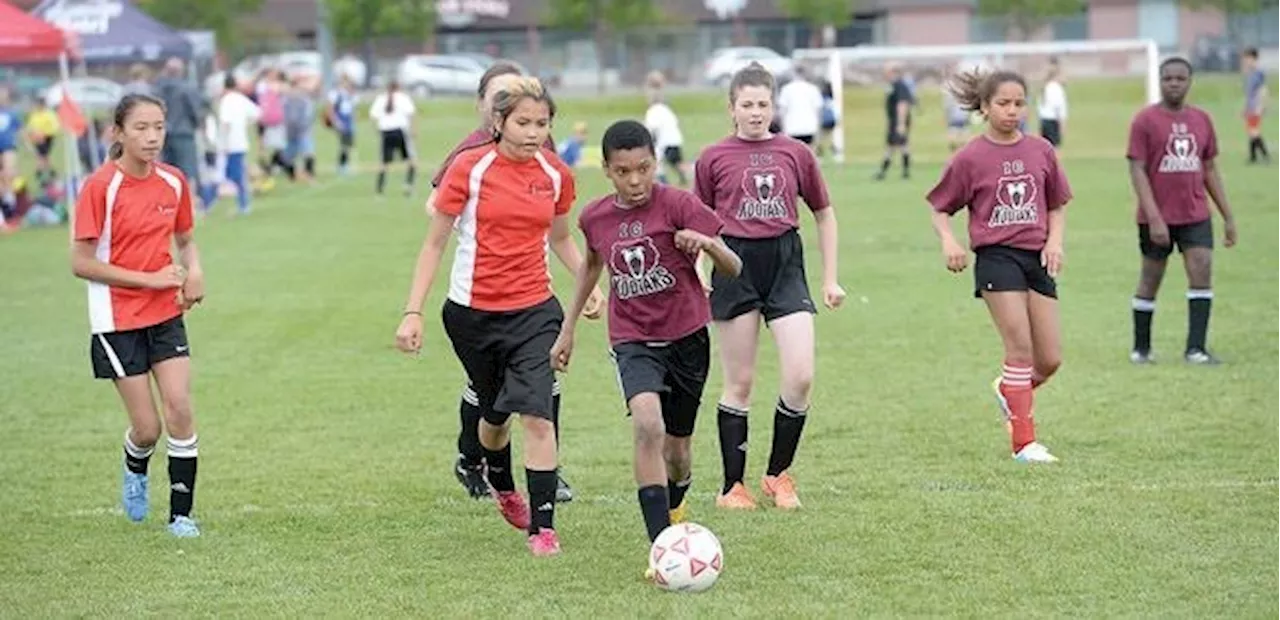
pixel 726 61
pixel 427 75
pixel 90 93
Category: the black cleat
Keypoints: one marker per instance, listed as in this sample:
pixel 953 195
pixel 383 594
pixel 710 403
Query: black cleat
pixel 471 477
pixel 564 492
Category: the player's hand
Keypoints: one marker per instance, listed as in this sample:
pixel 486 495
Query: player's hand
pixel 1159 233
pixel 1229 233
pixel 957 259
pixel 833 295
pixel 192 291
pixel 692 241
pixel 561 351
pixel 595 305
pixel 409 334
pixel 169 277
pixel 706 283
pixel 1051 258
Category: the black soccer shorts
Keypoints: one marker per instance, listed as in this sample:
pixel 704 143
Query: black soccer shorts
pixel 1196 235
pixel 676 371
pixel 116 355
pixel 772 279
pixel 1001 268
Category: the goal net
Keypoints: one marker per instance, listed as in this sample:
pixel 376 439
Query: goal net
pixel 1125 68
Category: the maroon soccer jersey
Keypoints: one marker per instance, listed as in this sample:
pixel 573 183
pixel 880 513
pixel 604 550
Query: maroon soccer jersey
pixel 479 137
pixel 754 185
pixel 655 294
pixel 1009 190
pixel 1173 146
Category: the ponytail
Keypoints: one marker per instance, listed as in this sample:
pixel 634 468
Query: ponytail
pixel 116 151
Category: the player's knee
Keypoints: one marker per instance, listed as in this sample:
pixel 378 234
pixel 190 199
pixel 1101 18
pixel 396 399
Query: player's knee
pixel 797 386
pixel 537 430
pixel 679 457
pixel 737 386
pixel 178 413
pixel 145 435
pixel 1046 365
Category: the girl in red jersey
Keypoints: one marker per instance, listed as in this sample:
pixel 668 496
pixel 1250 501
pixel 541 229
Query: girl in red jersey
pixel 1015 191
pixel 468 467
pixel 507 201
pixel 129 212
pixel 753 179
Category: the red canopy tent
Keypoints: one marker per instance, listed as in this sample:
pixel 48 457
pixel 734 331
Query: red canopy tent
pixel 24 38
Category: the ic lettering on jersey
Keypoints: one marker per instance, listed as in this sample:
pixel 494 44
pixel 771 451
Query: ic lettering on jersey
pixel 166 210
pixel 763 189
pixel 1016 195
pixel 542 189
pixel 634 261
pixel 1181 152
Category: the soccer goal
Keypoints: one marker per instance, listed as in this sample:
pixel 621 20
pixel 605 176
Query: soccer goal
pixel 844 67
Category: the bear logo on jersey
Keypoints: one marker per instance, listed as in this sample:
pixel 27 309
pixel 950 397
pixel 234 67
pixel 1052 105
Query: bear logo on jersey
pixel 763 191
pixel 636 272
pixel 1181 151
pixel 1015 201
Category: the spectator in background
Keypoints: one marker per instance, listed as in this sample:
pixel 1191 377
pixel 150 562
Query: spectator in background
pixel 274 137
pixel 184 108
pixel 42 126
pixel 10 131
pixel 800 106
pixel 236 114
pixel 341 117
pixel 830 120
pixel 299 123
pixel 1053 106
pixel 139 80
pixel 570 150
pixel 1255 103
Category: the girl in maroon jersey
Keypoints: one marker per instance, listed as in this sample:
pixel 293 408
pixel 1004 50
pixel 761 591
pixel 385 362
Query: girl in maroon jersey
pixel 1015 191
pixel 754 179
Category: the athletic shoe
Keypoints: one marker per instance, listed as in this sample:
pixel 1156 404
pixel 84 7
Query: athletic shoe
pixel 782 490
pixel 471 477
pixel 545 543
pixel 134 495
pixel 738 498
pixel 184 527
pixel 1034 452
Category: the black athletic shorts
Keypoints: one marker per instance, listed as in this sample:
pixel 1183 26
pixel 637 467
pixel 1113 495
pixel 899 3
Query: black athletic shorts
pixel 1051 131
pixel 507 356
pixel 772 280
pixel 673 155
pixel 894 138
pixel 116 355
pixel 44 147
pixel 805 139
pixel 1001 268
pixel 1197 235
pixel 346 139
pixel 395 142
pixel 676 371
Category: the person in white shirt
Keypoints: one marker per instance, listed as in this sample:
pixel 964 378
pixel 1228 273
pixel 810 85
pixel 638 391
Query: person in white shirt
pixel 800 105
pixel 668 140
pixel 236 114
pixel 1053 107
pixel 393 112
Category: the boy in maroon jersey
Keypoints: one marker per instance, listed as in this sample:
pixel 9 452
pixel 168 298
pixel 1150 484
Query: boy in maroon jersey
pixel 753 179
pixel 1015 191
pixel 650 236
pixel 1172 151
pixel 468 467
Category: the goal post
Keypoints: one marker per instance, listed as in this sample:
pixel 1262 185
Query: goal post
pixel 841 66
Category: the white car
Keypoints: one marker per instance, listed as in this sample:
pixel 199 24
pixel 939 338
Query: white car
pixel 90 93
pixel 427 75
pixel 726 61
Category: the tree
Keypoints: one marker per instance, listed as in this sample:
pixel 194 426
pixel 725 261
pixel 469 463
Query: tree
pixel 359 22
pixel 1229 6
pixel 1025 17
pixel 818 14
pixel 604 17
pixel 223 17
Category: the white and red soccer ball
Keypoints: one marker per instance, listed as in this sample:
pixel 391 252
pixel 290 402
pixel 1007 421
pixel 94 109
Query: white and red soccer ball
pixel 686 557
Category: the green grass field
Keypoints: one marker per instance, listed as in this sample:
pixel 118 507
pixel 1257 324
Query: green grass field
pixel 325 485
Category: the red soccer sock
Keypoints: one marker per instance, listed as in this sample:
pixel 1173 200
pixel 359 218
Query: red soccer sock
pixel 1015 386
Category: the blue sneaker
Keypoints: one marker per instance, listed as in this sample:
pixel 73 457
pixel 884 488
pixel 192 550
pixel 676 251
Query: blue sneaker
pixel 134 495
pixel 184 527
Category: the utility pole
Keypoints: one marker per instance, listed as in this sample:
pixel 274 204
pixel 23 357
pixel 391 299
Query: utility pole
pixel 324 43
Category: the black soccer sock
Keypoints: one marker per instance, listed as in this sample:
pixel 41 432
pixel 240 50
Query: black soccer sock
pixel 678 489
pixel 1262 148
pixel 653 505
pixel 1253 150
pixel 884 165
pixel 555 410
pixel 469 429
pixel 542 499
pixel 1144 310
pixel 182 476
pixel 1199 305
pixel 408 176
pixel 906 164
pixel 788 425
pixel 499 468
pixel 136 458
pixel 344 156
pixel 382 180
pixel 733 443
pixel 309 164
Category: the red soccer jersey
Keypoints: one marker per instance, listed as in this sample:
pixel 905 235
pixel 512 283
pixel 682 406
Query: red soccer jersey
pixel 655 294
pixel 504 209
pixel 1009 190
pixel 753 185
pixel 479 137
pixel 1173 145
pixel 133 221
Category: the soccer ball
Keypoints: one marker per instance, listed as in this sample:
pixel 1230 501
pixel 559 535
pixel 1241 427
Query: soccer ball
pixel 686 557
